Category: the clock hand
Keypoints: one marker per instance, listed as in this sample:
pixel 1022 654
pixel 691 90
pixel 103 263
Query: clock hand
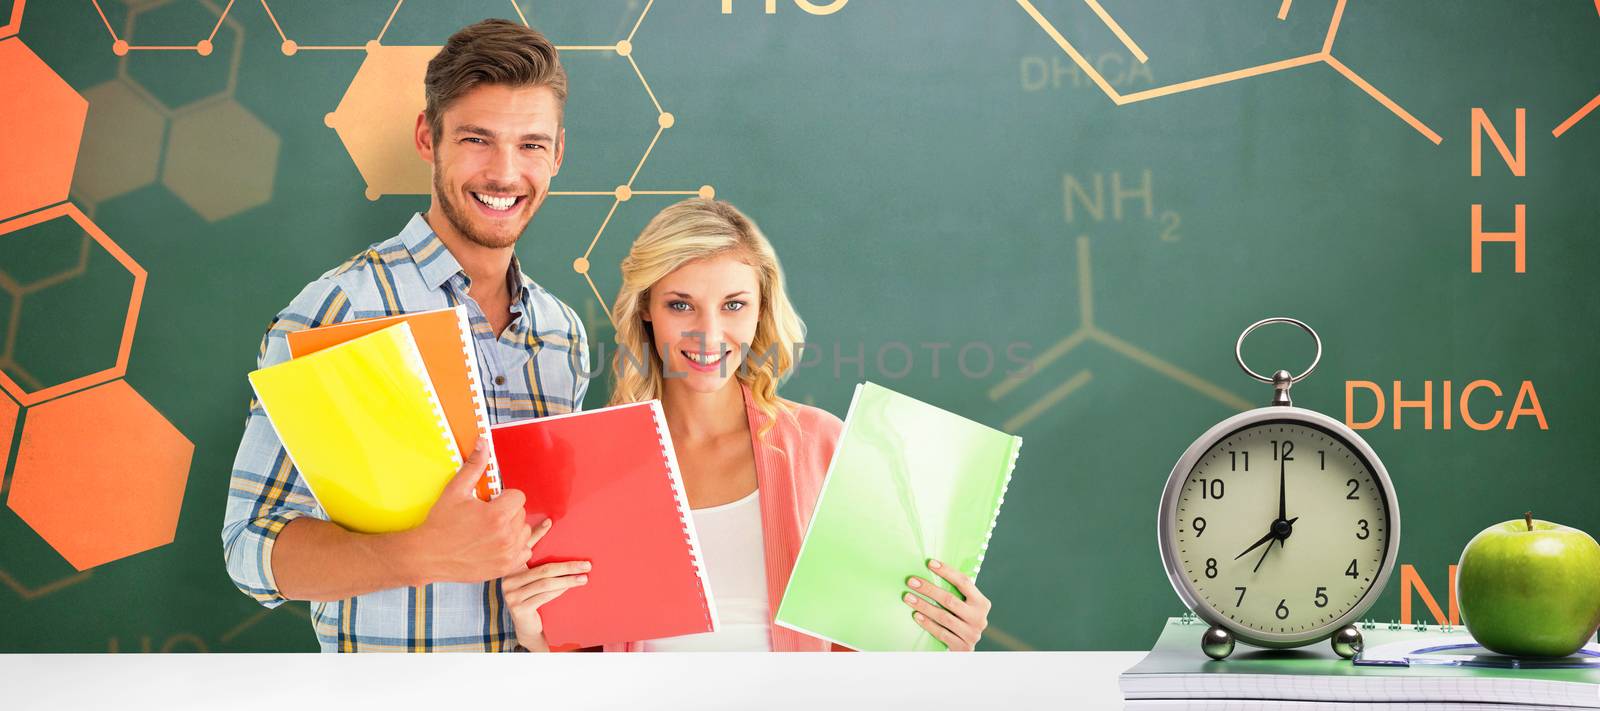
pixel 1263 557
pixel 1283 509
pixel 1270 535
pixel 1274 534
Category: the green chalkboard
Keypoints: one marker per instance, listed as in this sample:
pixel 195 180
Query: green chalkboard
pixel 953 197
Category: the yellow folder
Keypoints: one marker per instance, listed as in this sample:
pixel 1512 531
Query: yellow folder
pixel 363 424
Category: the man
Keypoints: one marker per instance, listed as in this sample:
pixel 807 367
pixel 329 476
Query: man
pixel 492 130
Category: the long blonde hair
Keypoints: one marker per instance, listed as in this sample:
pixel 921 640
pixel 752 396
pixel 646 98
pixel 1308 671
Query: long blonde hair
pixel 687 231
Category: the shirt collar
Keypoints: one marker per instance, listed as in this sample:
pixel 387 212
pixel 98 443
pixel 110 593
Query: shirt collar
pixel 438 265
pixel 432 258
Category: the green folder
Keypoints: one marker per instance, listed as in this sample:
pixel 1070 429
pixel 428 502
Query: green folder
pixel 909 482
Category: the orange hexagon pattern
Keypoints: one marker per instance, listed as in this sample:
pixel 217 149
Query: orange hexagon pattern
pixel 70 211
pixel 375 120
pixel 100 475
pixel 45 110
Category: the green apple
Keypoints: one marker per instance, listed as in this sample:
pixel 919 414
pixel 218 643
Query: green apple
pixel 1530 588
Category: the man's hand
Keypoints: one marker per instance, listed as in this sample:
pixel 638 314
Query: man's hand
pixel 468 540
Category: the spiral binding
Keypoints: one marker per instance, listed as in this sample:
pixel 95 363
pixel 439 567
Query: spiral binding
pixel 684 515
pixel 475 379
pixel 1016 450
pixel 418 366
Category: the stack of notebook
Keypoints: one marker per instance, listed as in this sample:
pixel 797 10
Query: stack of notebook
pixel 377 414
pixel 1400 666
pixel 366 427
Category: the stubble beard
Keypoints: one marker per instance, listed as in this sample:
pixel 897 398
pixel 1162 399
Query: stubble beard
pixel 463 224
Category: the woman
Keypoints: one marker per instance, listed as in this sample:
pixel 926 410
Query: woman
pixel 699 284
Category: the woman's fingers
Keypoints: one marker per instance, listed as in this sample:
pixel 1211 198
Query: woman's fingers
pixel 950 639
pixel 945 598
pixel 527 592
pixel 969 589
pixel 940 617
pixel 538 601
pixel 548 570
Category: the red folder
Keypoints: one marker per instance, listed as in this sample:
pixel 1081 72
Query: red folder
pixel 610 480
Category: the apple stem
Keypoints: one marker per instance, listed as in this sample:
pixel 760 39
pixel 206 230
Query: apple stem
pixel 1528 516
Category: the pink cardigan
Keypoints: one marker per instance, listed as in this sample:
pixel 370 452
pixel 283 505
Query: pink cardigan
pixel 790 464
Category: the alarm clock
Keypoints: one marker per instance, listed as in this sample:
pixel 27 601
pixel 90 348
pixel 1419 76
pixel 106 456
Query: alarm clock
pixel 1279 526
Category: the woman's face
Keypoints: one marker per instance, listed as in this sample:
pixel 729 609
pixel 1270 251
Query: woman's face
pixel 704 315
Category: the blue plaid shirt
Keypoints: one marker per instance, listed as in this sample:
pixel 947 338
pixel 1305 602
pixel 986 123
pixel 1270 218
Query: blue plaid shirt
pixel 535 368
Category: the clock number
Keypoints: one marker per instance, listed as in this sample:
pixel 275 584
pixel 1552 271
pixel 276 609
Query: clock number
pixel 1365 533
pixel 1241 597
pixel 1322 459
pixel 1354 487
pixel 1211 567
pixel 1288 446
pixel 1210 488
pixel 1283 611
pixel 1322 597
pixel 1351 571
pixel 1233 460
pixel 1200 526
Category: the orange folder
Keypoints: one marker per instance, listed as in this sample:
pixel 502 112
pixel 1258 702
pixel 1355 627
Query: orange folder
pixel 444 336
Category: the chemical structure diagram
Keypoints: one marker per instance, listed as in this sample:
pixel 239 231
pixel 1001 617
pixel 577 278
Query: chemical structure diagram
pixel 73 468
pixel 1087 330
pixel 374 121
pixel 1090 332
pixel 1324 56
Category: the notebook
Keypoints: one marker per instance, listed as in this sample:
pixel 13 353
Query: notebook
pixel 908 482
pixel 444 337
pixel 1399 664
pixel 362 423
pixel 610 481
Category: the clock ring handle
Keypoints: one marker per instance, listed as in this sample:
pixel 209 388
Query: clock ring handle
pixel 1281 379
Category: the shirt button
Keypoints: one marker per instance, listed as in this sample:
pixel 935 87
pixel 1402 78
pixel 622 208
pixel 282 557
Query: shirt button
pixel 499 380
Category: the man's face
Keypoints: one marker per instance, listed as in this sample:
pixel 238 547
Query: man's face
pixel 494 159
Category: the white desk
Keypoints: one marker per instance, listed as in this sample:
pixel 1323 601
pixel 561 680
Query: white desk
pixel 814 682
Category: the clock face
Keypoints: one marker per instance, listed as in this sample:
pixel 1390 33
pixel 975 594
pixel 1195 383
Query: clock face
pixel 1281 527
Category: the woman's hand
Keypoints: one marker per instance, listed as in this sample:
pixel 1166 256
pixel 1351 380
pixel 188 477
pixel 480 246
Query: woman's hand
pixel 958 621
pixel 526 591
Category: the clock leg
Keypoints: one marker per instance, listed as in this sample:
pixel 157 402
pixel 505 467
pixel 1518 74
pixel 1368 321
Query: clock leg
pixel 1347 641
pixel 1217 643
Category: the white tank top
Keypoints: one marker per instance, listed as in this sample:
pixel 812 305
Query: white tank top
pixel 736 565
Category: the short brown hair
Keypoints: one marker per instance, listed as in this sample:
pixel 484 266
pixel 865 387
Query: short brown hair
pixel 490 52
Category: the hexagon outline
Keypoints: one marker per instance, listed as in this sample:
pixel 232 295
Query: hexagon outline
pixel 33 593
pixel 290 47
pixel 235 59
pixel 15 25
pixel 22 396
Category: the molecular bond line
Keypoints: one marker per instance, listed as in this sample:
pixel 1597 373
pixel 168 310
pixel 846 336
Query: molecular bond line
pixel 1325 56
pixel 1090 332
pixel 121 47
